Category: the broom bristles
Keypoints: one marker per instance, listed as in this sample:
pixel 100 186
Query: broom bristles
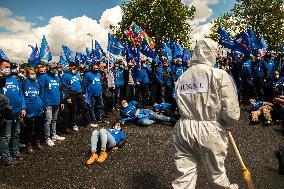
pixel 248 179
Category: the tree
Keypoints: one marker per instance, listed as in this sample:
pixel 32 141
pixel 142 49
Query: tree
pixel 266 17
pixel 161 19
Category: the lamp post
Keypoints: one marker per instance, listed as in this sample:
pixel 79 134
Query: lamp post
pixel 92 40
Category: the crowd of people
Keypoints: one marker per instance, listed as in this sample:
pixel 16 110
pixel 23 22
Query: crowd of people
pixel 86 95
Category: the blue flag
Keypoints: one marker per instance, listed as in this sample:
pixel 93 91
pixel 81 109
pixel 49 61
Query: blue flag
pixel 225 40
pixel 34 59
pixel 177 50
pixel 45 54
pixel 68 53
pixel 254 41
pixel 186 55
pixel 99 51
pixel 147 51
pixel 3 56
pixel 114 46
pixel 263 43
pixel 78 58
pixel 63 61
pixel 167 52
pixel 242 43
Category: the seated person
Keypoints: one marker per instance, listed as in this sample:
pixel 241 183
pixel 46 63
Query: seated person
pixel 108 139
pixel 131 112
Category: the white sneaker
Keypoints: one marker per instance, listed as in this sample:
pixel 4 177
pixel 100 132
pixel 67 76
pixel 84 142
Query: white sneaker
pixel 93 125
pixel 56 137
pixel 75 128
pixel 49 142
pixel 234 186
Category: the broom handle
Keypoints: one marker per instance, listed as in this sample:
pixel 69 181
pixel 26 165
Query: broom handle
pixel 236 150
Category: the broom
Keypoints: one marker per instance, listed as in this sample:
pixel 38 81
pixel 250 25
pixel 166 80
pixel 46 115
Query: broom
pixel 247 176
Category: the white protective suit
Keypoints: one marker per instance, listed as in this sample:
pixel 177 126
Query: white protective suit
pixel 208 104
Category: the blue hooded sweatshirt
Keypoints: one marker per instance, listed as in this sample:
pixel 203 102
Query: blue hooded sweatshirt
pixel 130 110
pixel 118 76
pixel 178 71
pixel 93 83
pixel 271 67
pixel 50 86
pixel 72 82
pixel 259 69
pixel 245 71
pixel 13 91
pixel 142 74
pixel 33 99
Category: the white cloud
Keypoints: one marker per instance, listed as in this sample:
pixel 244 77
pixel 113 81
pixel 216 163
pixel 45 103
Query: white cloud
pixel 58 31
pixel 200 24
pixel 40 18
pixel 13 23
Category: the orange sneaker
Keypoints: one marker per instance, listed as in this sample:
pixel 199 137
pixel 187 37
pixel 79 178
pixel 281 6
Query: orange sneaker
pixel 92 159
pixel 103 157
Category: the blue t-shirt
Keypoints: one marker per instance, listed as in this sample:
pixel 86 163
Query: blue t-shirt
pixel 118 135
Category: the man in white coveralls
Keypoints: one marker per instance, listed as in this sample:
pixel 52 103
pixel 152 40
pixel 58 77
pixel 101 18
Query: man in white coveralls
pixel 208 105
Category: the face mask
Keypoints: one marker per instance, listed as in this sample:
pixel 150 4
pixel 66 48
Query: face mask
pixel 258 58
pixel 124 105
pixel 32 77
pixel 96 70
pixel 52 72
pixel 6 72
pixel 179 63
pixel 39 74
pixel 117 127
pixel 14 71
pixel 116 68
pixel 122 66
pixel 74 71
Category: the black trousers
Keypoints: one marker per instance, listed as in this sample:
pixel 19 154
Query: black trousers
pixel 33 130
pixel 97 107
pixel 142 93
pixel 130 92
pixel 156 93
pixel 259 84
pixel 76 113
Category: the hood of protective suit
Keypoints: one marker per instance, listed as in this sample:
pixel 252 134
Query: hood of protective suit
pixel 204 52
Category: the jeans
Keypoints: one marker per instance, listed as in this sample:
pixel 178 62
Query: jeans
pixel 107 141
pixel 97 109
pixel 9 139
pixel 117 95
pixel 51 113
pixel 153 118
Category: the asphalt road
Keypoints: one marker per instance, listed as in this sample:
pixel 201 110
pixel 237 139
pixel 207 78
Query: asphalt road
pixel 145 162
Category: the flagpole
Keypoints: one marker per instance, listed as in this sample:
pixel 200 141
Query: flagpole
pixel 92 40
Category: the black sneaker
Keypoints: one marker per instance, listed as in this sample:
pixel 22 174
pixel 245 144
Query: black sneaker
pixel 12 162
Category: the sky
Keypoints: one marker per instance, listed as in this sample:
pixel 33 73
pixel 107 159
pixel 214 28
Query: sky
pixel 23 22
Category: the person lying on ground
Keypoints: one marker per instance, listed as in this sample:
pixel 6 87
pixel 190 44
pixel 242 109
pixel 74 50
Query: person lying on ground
pixel 108 139
pixel 132 112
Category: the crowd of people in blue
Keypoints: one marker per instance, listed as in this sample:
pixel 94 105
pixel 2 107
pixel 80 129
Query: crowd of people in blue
pixel 85 96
